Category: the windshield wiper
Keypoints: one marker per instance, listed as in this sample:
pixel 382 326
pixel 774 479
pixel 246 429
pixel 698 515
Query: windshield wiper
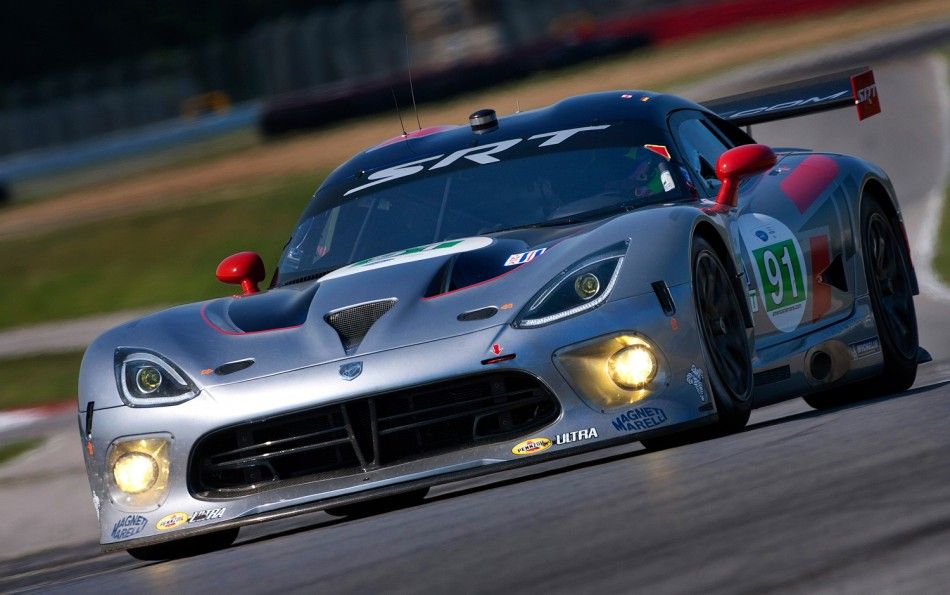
pixel 308 277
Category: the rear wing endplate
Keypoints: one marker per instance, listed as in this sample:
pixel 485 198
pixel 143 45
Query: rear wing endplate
pixel 832 91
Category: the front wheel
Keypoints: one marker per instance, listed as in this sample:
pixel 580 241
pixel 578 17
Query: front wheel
pixel 725 343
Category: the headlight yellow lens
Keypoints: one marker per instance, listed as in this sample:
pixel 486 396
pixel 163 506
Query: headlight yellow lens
pixel 135 472
pixel 148 379
pixel 587 286
pixel 632 367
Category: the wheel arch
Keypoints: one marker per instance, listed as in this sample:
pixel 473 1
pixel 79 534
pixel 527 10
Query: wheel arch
pixel 710 233
pixel 882 193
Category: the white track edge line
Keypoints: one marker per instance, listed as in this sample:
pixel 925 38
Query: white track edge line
pixel 927 236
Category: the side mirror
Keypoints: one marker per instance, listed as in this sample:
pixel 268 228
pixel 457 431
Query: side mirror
pixel 737 163
pixel 244 268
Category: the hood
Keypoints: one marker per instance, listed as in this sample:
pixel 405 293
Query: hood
pixel 423 294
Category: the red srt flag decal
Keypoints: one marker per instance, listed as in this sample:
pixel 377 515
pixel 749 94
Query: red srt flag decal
pixel 809 180
pixel 659 150
pixel 864 91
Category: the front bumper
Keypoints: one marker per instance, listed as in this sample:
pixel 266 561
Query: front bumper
pixel 580 425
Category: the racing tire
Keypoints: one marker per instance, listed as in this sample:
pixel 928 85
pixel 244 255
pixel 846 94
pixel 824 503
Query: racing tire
pixel 187 547
pixel 726 345
pixel 379 505
pixel 887 271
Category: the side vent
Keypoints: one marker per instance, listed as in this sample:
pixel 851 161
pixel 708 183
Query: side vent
pixel 353 322
pixel 663 295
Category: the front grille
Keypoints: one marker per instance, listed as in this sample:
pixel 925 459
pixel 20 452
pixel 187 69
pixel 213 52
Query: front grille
pixel 369 433
pixel 353 322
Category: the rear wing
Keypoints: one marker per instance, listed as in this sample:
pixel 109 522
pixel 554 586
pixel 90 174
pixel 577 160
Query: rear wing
pixel 832 91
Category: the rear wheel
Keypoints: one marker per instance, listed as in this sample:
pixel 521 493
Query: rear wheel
pixel 725 343
pixel 380 505
pixel 184 548
pixel 887 270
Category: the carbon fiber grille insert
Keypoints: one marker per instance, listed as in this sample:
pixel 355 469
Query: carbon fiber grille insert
pixel 368 433
pixel 353 322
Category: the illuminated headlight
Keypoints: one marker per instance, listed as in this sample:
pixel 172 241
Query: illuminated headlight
pixel 632 367
pixel 138 471
pixel 580 288
pixel 145 379
pixel 613 371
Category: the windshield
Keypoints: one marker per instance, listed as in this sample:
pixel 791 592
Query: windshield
pixel 547 179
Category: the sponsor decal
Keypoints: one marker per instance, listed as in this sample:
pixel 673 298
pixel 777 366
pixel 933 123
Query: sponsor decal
pixel 496 349
pixel 695 378
pixel 507 306
pixel 660 150
pixel 531 446
pixel 667 180
pixel 206 515
pixel 779 269
pixel 410 255
pixel 783 106
pixel 207 371
pixel 865 95
pixel 126 526
pixel 524 257
pixel 640 418
pixel 351 370
pixel 171 521
pixel 481 154
pixel 626 96
pixel 674 325
pixel 866 347
pixel 753 300
pixel 576 436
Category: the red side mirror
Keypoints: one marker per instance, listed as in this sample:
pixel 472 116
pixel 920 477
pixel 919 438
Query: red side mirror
pixel 244 268
pixel 737 163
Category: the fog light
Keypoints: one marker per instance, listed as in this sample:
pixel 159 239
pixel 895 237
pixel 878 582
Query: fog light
pixel 135 472
pixel 138 471
pixel 587 286
pixel 632 367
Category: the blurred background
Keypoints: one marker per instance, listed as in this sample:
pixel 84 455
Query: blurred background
pixel 141 142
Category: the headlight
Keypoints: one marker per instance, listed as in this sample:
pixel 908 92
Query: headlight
pixel 615 370
pixel 580 288
pixel 137 470
pixel 146 379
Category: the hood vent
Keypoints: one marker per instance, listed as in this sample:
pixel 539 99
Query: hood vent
pixel 353 322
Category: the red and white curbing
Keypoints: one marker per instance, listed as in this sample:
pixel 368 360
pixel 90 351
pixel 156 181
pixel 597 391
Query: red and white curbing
pixel 17 418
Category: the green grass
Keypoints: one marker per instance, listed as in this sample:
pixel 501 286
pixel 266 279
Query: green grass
pixel 38 380
pixel 164 257
pixel 15 449
pixel 942 249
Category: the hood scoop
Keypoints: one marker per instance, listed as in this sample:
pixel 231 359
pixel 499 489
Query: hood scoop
pixel 353 322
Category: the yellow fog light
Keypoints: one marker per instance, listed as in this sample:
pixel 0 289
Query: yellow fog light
pixel 148 379
pixel 135 472
pixel 615 370
pixel 632 367
pixel 138 471
pixel 587 286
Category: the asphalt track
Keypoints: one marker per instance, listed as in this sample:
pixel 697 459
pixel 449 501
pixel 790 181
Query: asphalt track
pixel 855 499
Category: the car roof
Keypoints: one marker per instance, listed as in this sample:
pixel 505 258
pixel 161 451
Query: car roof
pixel 573 112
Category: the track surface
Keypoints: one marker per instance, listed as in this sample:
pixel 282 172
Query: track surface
pixel 852 500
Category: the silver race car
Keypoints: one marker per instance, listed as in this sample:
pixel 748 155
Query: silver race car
pixel 460 300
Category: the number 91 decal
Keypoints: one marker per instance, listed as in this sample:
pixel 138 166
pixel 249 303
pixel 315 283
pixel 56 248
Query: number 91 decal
pixel 779 269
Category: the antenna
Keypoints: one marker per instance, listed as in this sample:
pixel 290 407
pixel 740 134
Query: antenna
pixel 517 106
pixel 398 113
pixel 412 91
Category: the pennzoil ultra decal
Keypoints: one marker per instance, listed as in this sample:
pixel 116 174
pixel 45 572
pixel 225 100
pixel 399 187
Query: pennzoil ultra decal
pixel 779 268
pixel 531 446
pixel 576 436
pixel 171 521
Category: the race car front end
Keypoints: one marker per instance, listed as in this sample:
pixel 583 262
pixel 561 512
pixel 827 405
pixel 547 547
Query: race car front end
pixel 526 387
